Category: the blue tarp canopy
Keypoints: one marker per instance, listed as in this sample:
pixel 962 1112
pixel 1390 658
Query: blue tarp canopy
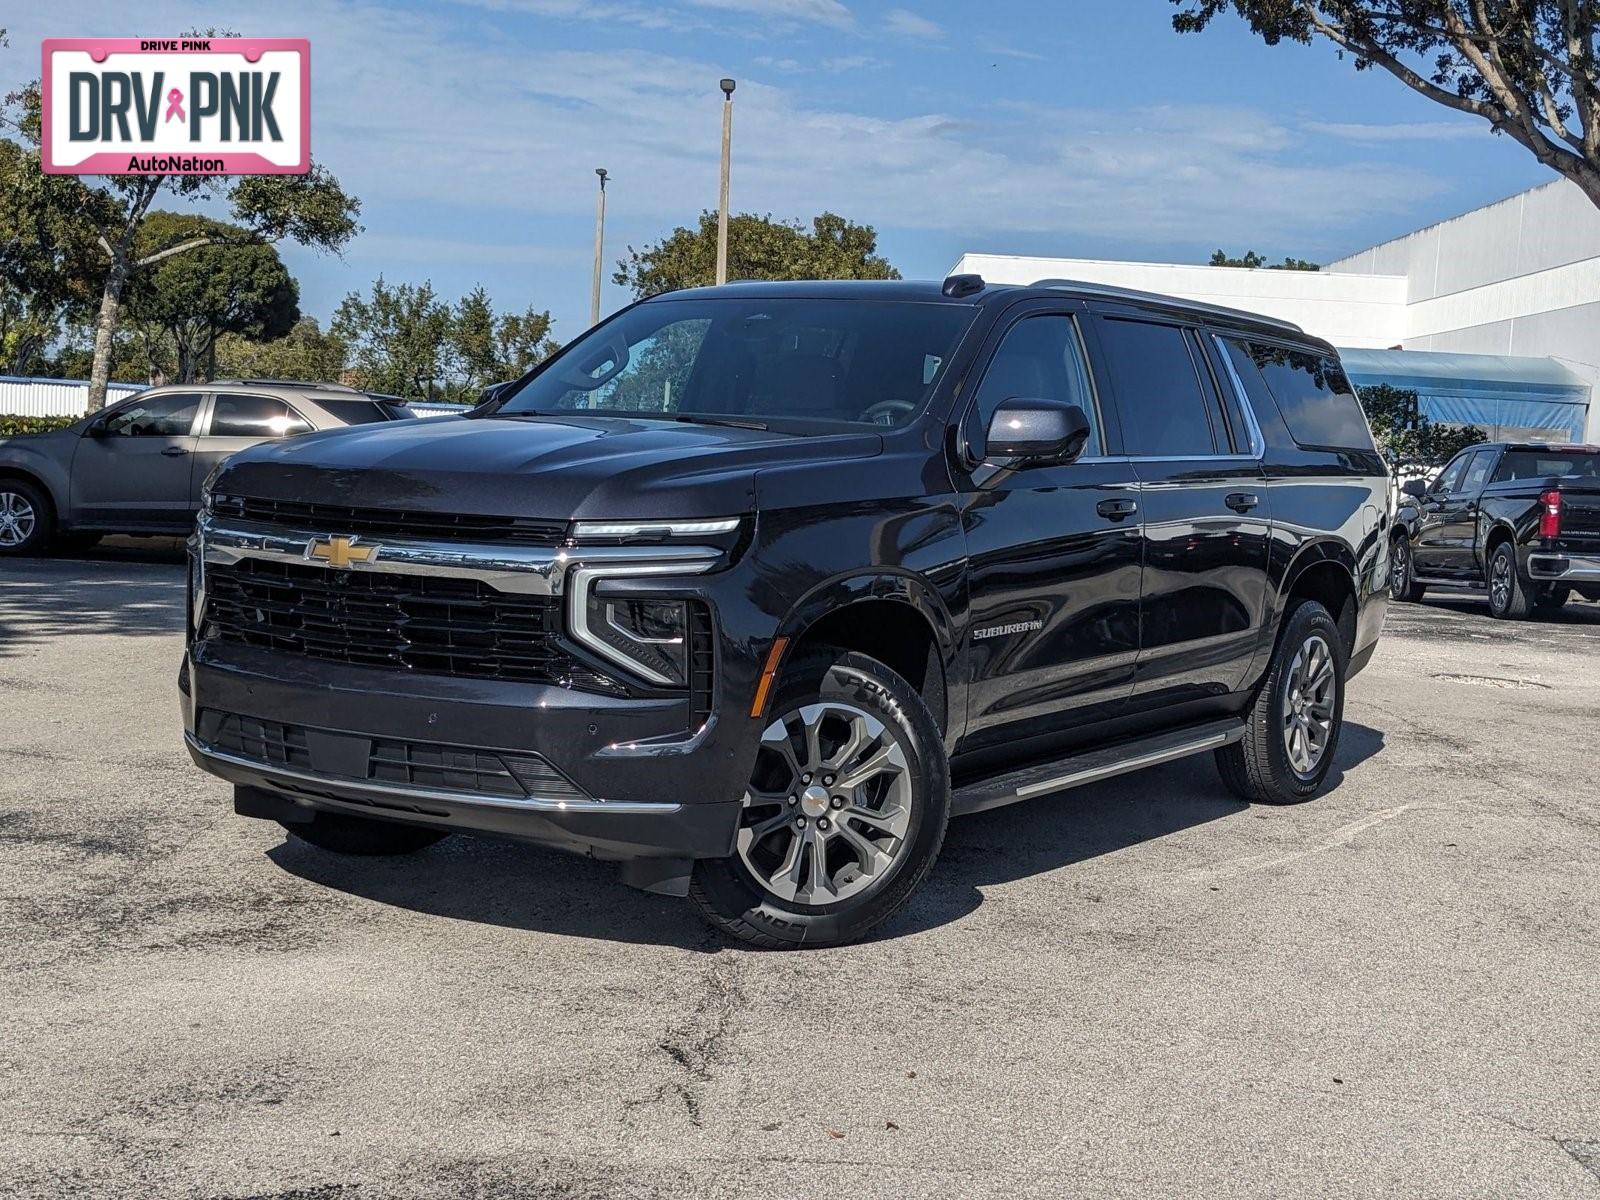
pixel 1506 395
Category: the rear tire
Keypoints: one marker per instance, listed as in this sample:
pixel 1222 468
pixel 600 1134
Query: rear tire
pixel 1403 583
pixel 844 814
pixel 27 520
pixel 340 834
pixel 1510 599
pixel 1292 732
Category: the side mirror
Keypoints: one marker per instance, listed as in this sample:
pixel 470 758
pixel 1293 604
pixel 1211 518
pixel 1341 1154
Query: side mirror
pixel 1037 430
pixel 97 428
pixel 1415 487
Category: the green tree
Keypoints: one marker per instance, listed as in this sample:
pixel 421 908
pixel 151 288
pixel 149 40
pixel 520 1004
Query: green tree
pixel 489 349
pixel 231 285
pixel 758 248
pixel 1252 261
pixel 405 339
pixel 1405 435
pixel 398 338
pixel 305 352
pixel 310 209
pixel 1527 67
pixel 47 265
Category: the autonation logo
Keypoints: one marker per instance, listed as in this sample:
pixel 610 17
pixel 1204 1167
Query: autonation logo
pixel 177 106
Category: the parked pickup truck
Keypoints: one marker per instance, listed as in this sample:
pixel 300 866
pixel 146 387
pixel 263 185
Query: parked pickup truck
pixel 1517 521
pixel 752 588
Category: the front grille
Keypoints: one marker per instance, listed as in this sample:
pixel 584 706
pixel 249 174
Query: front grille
pixel 387 522
pixel 471 771
pixel 433 624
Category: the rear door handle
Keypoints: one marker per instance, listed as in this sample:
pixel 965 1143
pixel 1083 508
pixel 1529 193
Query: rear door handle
pixel 173 451
pixel 1242 501
pixel 1117 509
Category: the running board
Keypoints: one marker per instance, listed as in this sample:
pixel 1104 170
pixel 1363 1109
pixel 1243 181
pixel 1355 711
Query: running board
pixel 1092 766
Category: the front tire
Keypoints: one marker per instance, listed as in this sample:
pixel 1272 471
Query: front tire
pixel 358 836
pixel 1293 730
pixel 844 814
pixel 1510 599
pixel 1403 583
pixel 27 521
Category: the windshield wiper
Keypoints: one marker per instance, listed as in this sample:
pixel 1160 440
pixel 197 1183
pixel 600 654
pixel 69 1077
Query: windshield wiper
pixel 731 422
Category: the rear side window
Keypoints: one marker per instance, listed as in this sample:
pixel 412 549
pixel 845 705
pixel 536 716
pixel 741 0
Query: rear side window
pixel 357 412
pixel 1317 402
pixel 1165 409
pixel 254 417
pixel 1478 473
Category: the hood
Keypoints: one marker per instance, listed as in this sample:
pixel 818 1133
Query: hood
pixel 590 468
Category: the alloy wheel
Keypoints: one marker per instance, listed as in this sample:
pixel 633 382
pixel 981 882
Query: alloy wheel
pixel 1500 582
pixel 828 809
pixel 1309 697
pixel 17 519
pixel 1399 569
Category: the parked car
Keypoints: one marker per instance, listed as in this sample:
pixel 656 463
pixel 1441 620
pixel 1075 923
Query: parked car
pixel 1517 521
pixel 752 588
pixel 137 467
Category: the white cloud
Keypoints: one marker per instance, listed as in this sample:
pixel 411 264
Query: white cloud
pixel 829 13
pixel 1414 131
pixel 904 21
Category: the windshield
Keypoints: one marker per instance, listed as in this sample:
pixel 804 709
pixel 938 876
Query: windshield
pixel 1539 464
pixel 829 362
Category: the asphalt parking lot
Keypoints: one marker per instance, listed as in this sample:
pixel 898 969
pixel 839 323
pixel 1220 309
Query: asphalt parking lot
pixel 1139 988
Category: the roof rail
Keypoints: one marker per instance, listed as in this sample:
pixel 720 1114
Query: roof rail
pixel 1120 293
pixel 309 384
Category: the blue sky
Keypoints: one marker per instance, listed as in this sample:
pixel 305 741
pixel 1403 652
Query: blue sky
pixel 471 129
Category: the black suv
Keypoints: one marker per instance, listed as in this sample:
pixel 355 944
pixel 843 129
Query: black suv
pixel 752 588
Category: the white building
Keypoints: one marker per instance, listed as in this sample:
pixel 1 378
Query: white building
pixel 1498 310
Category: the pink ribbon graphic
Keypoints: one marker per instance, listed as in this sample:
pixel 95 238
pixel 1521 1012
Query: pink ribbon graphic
pixel 175 105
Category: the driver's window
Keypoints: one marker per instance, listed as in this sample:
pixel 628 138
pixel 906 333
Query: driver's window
pixel 1040 357
pixel 1450 476
pixel 161 416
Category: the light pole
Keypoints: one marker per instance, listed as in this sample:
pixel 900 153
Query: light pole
pixel 599 246
pixel 722 210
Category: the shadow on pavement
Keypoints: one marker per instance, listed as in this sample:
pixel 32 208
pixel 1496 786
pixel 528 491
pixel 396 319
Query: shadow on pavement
pixel 526 887
pixel 135 591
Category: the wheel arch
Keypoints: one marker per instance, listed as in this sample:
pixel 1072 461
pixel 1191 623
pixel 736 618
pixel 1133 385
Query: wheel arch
pixel 1326 572
pixel 895 617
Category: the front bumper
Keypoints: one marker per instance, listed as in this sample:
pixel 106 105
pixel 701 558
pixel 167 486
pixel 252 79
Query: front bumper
pixel 1554 566
pixel 324 735
pixel 643 775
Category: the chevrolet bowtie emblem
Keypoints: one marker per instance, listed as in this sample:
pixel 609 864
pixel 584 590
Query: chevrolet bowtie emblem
pixel 340 552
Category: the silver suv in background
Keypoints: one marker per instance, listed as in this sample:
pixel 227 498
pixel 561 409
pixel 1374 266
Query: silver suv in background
pixel 138 466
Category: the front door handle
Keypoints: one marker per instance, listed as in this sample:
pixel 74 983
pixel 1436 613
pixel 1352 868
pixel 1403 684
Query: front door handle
pixel 1242 502
pixel 1117 509
pixel 173 452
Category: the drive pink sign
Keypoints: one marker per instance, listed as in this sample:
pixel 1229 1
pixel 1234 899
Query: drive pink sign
pixel 177 106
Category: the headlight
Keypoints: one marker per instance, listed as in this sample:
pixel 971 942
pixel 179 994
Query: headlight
pixel 646 634
pixel 206 488
pixel 652 636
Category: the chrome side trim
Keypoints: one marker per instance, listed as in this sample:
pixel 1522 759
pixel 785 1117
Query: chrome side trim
pixel 526 570
pixel 434 796
pixel 1137 763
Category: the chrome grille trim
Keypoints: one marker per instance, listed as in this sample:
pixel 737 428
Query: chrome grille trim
pixel 529 570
